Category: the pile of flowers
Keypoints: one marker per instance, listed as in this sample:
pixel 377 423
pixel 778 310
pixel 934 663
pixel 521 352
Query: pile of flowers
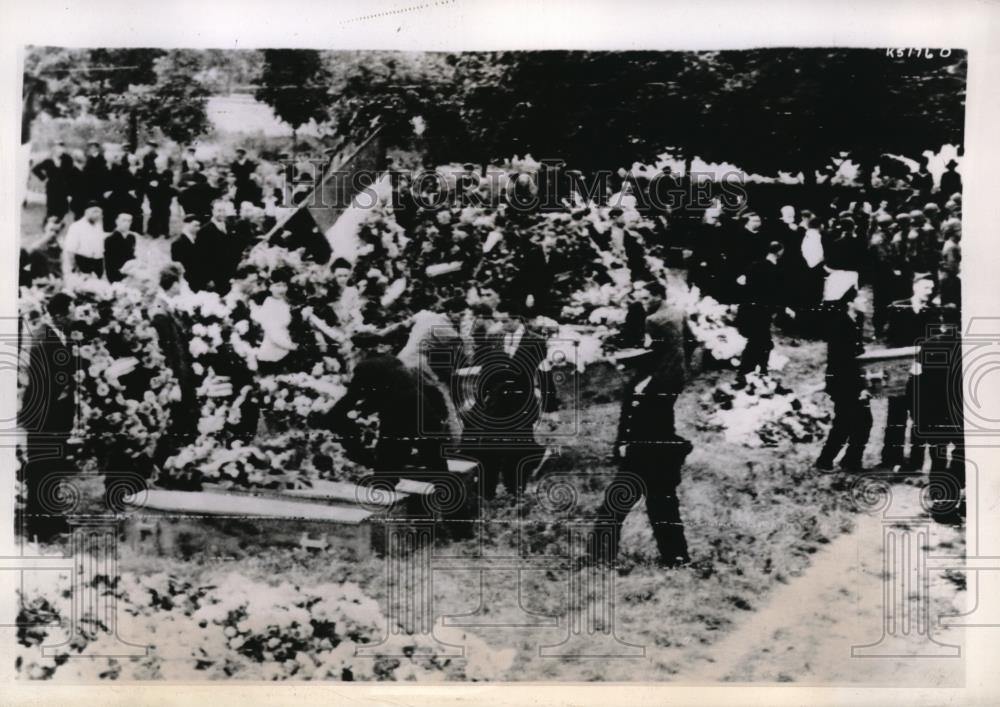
pixel 763 413
pixel 711 323
pixel 121 415
pixel 226 626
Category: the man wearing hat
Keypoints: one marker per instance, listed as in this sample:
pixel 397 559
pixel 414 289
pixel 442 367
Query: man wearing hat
pixel 845 383
pixel 649 452
pixel 83 249
pixel 910 321
pixel 951 181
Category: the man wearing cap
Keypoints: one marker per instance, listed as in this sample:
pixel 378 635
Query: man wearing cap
pixel 83 249
pixel 845 383
pixel 56 174
pixel 648 449
pixel 119 247
pixel 187 251
pixel 909 322
pixel 922 181
pixel 949 269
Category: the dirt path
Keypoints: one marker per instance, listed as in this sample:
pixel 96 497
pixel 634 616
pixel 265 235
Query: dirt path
pixel 806 631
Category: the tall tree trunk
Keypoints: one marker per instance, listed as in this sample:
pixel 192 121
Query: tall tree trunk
pixel 295 144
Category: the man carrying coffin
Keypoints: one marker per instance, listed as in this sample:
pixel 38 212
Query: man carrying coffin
pixel 845 383
pixel 649 451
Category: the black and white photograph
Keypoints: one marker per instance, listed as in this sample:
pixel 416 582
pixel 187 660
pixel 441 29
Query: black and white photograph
pixel 506 365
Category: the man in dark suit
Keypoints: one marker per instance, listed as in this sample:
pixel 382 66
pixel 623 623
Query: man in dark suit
pixel 161 192
pixel 764 296
pixel 119 247
pixel 38 261
pixel 951 181
pixel 173 339
pixel 94 179
pixel 845 383
pixel 938 417
pixel 47 414
pixel 190 254
pixel 123 194
pixel 515 387
pixel 542 269
pixel 743 248
pixel 412 418
pixel 648 450
pixel 222 248
pixel 909 322
pixel 242 167
pixel 197 195
pixel 56 173
pixel 149 167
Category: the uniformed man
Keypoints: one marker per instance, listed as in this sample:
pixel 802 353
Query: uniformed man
pixel 910 321
pixel 845 383
pixel 649 451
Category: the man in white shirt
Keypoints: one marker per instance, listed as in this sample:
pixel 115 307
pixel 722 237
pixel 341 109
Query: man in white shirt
pixel 83 248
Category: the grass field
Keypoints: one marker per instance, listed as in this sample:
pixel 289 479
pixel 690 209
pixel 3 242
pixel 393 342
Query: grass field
pixel 753 520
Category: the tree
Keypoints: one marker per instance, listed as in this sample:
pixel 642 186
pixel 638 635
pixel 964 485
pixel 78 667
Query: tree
pixel 296 85
pixel 117 83
pixel 149 86
pixel 176 103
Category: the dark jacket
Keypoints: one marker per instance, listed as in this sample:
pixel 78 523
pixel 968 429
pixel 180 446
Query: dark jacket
pixel 192 257
pixel 512 390
pixel 844 375
pixel 119 248
pixel 412 415
pixel 765 292
pixel 906 327
pixel 48 404
pixel 646 425
pixel 57 178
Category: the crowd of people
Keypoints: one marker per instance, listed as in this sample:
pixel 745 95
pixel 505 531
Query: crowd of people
pixel 809 273
pixel 803 270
